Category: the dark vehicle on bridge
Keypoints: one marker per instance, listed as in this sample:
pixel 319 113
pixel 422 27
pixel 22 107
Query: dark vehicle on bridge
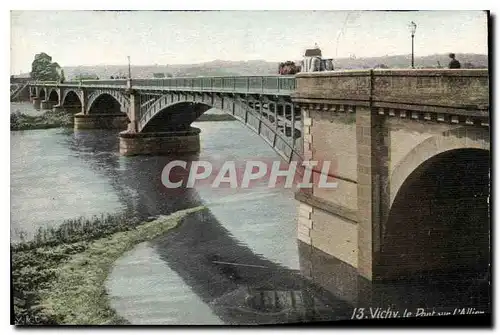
pixel 312 62
pixel 288 68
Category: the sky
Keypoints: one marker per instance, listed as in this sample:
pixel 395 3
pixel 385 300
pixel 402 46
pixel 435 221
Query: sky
pixel 160 37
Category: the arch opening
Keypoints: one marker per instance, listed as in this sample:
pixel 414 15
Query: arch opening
pixel 176 117
pixel 54 96
pixel 42 94
pixel 72 102
pixel 106 104
pixel 438 225
pixel 252 113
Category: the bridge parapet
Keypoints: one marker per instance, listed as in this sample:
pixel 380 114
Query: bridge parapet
pixel 463 92
pixel 458 89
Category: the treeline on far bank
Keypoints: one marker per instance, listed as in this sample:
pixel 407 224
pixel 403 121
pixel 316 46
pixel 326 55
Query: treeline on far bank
pixel 49 119
pixel 56 119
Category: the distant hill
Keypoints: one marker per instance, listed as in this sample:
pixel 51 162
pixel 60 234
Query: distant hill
pixel 261 67
pixel 404 61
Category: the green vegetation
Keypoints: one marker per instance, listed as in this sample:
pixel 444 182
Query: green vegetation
pixel 59 276
pixel 42 68
pixel 49 119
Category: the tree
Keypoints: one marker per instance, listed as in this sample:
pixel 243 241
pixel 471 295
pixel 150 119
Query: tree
pixel 42 68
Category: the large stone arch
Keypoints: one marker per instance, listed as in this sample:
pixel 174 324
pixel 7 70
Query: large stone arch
pixel 118 96
pixel 459 138
pixel 438 221
pixel 230 104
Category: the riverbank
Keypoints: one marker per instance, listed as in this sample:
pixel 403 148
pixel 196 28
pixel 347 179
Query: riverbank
pixel 58 277
pixel 49 119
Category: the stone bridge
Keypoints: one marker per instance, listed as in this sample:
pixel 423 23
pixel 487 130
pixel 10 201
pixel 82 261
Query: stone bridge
pixel 410 152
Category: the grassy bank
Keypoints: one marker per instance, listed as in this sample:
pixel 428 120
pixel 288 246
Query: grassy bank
pixel 49 119
pixel 59 276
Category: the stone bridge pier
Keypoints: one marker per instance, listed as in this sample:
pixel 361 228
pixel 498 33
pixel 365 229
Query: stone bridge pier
pixel 37 97
pixel 410 153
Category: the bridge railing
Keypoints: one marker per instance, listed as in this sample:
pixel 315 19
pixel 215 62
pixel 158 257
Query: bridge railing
pixel 43 83
pixel 86 82
pixel 251 84
pixel 247 84
pixel 110 82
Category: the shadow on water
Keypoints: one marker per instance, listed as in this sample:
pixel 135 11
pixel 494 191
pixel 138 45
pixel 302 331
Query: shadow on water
pixel 240 286
pixel 136 180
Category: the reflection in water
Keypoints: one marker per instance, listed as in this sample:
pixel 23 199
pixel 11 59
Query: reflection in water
pixel 446 292
pixel 136 180
pixel 237 283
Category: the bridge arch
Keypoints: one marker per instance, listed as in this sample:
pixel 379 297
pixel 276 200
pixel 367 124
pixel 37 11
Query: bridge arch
pixel 438 223
pixel 108 101
pixel 183 109
pixel 459 138
pixel 71 98
pixel 71 101
pixel 53 95
pixel 177 116
pixel 42 93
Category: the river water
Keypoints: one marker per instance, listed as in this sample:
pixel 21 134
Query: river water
pixel 235 263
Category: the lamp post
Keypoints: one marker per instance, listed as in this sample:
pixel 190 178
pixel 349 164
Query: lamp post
pixel 129 79
pixel 129 72
pixel 413 28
